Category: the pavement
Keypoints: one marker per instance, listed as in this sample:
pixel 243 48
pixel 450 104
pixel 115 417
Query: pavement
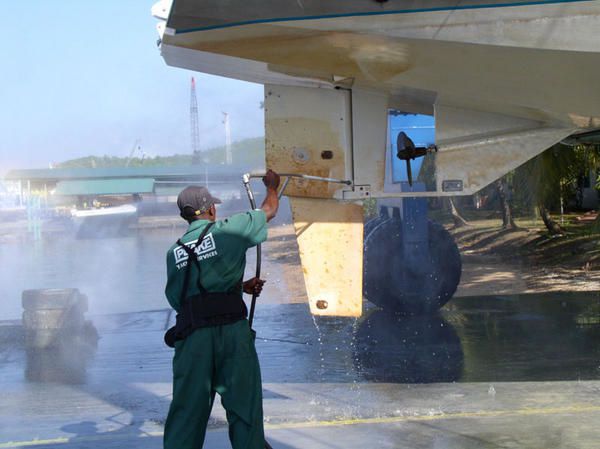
pixel 489 372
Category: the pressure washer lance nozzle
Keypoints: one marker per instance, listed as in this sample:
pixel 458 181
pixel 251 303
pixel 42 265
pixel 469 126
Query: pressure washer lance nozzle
pixel 301 176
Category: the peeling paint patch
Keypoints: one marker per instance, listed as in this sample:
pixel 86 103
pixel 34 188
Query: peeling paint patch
pixel 300 125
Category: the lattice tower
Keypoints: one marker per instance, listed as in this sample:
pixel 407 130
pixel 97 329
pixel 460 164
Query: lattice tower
pixel 194 127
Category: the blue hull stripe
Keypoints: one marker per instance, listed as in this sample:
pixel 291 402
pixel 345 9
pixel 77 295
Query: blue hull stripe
pixel 382 13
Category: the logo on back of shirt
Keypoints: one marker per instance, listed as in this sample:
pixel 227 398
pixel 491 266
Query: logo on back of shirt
pixel 205 250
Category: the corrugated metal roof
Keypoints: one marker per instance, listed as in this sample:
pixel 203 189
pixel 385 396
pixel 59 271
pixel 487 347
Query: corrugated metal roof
pixel 168 190
pixel 122 186
pixel 174 172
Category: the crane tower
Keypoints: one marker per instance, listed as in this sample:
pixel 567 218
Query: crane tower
pixel 228 155
pixel 194 129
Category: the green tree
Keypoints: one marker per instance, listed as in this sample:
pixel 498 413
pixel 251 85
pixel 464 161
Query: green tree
pixel 457 218
pixel 503 189
pixel 550 179
pixel 248 154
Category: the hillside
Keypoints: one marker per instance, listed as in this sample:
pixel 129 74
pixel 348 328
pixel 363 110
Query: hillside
pixel 247 154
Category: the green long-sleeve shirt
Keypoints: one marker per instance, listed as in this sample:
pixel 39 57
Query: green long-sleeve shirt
pixel 222 254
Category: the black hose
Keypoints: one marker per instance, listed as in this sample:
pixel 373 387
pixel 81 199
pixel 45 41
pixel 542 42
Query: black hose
pixel 258 252
pixel 258 263
pixel 253 303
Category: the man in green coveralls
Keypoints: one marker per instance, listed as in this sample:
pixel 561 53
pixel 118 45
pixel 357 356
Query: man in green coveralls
pixel 217 358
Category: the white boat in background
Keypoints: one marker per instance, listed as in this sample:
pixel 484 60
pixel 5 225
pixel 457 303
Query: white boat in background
pixel 104 222
pixel 13 213
pixel 126 209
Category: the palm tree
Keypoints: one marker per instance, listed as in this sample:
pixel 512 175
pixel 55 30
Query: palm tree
pixel 508 221
pixel 457 218
pixel 553 176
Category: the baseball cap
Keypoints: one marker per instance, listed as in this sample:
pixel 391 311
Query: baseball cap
pixel 195 200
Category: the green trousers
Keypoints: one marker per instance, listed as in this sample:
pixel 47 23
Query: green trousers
pixel 219 359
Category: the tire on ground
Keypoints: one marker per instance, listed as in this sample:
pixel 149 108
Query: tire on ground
pixel 52 298
pixel 387 274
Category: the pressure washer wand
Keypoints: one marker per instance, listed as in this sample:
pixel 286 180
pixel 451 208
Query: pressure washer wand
pixel 302 176
pixel 246 179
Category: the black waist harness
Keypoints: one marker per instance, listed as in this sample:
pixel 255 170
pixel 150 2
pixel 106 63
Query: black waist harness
pixel 206 308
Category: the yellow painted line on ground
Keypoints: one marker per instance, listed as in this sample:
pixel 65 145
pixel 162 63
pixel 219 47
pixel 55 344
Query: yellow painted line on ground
pixel 436 417
pixel 115 436
pixel 109 436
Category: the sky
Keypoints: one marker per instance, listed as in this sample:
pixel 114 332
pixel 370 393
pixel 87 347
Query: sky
pixel 82 77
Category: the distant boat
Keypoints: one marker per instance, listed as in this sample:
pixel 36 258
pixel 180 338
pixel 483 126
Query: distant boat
pixel 104 222
pixel 126 209
pixel 13 214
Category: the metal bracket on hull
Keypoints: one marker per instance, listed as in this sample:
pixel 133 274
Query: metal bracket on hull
pixel 361 192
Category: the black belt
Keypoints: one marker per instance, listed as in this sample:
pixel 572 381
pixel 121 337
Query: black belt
pixel 213 309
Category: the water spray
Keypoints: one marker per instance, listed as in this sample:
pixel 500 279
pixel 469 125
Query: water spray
pixel 246 179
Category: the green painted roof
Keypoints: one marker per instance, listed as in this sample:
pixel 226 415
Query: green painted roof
pixel 123 186
pixel 221 172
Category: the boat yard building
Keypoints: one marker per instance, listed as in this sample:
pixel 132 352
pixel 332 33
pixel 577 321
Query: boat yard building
pixel 130 184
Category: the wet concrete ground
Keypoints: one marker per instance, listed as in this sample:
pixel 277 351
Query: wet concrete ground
pixel 488 372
